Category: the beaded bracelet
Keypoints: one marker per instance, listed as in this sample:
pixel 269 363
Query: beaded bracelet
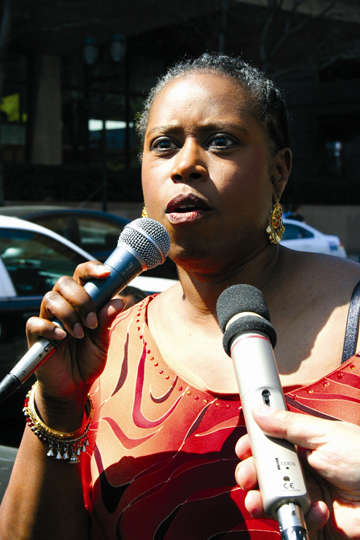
pixel 66 446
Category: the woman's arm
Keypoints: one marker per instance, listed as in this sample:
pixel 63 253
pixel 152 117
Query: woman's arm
pixel 331 463
pixel 44 498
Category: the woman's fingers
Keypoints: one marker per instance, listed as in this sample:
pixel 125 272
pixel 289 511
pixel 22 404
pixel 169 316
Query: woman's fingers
pixel 77 364
pixel 37 327
pixel 100 336
pixel 70 303
pixel 89 270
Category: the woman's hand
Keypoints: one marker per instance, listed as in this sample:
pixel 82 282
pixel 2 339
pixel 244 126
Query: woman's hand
pixel 331 459
pixel 69 373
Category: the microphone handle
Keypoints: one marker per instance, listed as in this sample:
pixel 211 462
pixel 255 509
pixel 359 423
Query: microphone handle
pixel 124 264
pixel 279 471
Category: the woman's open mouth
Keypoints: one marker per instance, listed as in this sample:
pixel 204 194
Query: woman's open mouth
pixel 185 209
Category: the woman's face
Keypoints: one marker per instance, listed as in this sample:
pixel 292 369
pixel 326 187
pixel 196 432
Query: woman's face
pixel 207 171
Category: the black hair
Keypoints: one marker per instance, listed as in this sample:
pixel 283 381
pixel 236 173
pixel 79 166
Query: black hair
pixel 266 99
pixel 136 293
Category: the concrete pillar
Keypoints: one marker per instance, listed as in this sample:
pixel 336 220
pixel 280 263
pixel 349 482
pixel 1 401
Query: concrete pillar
pixel 45 136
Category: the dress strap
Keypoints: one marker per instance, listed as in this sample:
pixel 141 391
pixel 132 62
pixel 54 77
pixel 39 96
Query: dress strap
pixel 352 325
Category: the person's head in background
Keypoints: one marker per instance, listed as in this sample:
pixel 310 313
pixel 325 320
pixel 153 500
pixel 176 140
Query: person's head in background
pixel 131 296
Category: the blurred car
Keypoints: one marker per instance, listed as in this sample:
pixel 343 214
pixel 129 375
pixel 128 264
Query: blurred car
pixel 7 458
pixel 94 231
pixel 302 237
pixel 32 258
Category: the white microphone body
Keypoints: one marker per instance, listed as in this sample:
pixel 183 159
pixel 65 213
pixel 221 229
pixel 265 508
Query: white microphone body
pixel 279 471
pixel 249 338
pixel 143 244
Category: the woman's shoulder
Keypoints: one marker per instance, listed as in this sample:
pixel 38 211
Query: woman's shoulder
pixel 318 268
pixel 312 282
pixel 309 309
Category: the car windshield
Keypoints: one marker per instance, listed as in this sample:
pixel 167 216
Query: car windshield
pixel 293 232
pixel 96 235
pixel 35 261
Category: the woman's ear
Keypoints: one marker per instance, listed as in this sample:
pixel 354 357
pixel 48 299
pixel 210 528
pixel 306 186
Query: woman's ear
pixel 281 171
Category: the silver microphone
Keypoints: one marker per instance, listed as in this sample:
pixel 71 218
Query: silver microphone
pixel 143 244
pixel 249 338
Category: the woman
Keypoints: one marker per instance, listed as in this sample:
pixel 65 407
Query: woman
pixel 161 458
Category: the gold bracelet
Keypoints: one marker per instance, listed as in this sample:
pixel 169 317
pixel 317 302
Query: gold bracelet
pixel 61 445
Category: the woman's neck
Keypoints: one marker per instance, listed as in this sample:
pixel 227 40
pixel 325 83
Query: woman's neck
pixel 201 290
pixel 183 321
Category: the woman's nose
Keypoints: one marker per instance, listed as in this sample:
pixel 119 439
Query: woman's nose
pixel 189 164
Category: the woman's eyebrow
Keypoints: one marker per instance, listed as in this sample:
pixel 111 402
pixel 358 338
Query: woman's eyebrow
pixel 211 126
pixel 164 128
pixel 216 126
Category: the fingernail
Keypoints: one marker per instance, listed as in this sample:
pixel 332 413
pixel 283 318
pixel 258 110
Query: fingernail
pixel 78 330
pixel 263 409
pixel 102 269
pixel 91 320
pixel 59 333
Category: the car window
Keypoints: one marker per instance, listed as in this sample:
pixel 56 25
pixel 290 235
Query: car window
pixel 98 235
pixel 58 224
pixel 35 261
pixel 293 232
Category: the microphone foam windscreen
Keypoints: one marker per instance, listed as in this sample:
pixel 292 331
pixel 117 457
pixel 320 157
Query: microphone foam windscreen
pixel 149 239
pixel 237 299
pixel 243 299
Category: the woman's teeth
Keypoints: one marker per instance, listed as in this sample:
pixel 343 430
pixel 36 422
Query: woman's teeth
pixel 185 208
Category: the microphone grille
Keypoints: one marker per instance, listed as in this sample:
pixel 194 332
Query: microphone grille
pixel 149 239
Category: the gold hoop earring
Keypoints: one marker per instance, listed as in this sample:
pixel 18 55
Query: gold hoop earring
pixel 144 212
pixel 275 226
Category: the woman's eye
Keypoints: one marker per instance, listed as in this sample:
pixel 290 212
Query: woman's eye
pixel 163 143
pixel 221 141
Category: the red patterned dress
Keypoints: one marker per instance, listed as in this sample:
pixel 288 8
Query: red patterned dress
pixel 161 466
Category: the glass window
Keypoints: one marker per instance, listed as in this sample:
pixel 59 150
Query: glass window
pixel 98 235
pixel 59 224
pixel 293 232
pixel 13 108
pixel 35 261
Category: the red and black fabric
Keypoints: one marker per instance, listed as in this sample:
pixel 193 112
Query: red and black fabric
pixel 161 461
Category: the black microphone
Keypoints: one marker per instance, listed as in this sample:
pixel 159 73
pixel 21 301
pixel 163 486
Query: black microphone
pixel 249 338
pixel 143 245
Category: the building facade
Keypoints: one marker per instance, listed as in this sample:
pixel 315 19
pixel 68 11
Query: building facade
pixel 73 82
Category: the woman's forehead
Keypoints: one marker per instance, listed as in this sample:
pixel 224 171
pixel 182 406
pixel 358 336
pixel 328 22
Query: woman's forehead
pixel 202 79
pixel 200 90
